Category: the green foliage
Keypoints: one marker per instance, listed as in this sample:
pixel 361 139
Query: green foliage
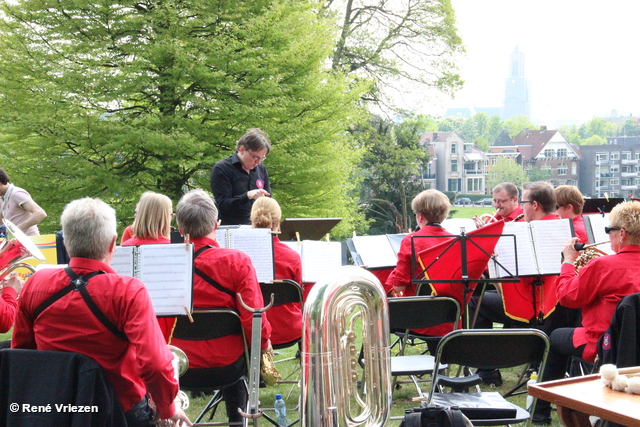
pixel 594 140
pixel 392 167
pixel 397 44
pixel 517 124
pixel 630 128
pixel 111 99
pixel 506 170
pixel 538 174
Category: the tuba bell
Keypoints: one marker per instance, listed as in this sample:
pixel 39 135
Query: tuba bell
pixel 330 395
pixel 180 364
pixel 15 248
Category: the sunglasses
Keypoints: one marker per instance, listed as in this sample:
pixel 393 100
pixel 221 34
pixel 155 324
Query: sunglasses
pixel 610 229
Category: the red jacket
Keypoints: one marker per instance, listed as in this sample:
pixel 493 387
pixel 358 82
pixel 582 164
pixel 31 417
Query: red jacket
pixel 286 320
pixel 134 368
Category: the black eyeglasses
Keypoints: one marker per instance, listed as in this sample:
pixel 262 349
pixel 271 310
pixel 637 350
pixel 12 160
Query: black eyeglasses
pixel 610 229
pixel 522 202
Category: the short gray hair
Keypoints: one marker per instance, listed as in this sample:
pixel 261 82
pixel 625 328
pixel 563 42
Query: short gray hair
pixel 196 214
pixel 88 226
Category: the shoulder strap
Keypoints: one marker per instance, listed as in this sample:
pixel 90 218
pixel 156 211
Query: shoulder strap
pixel 208 279
pixel 413 419
pixel 79 284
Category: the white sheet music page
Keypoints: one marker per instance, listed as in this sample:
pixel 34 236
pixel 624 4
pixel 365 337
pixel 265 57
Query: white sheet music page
pixel 453 225
pixel 375 251
pixel 319 258
pixel 506 253
pixel 221 237
pixel 595 224
pixel 549 238
pixel 123 260
pixel 167 273
pixel 258 244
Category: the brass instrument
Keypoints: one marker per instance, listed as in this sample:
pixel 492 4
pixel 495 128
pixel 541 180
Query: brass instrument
pixel 15 248
pixel 180 364
pixel 330 357
pixel 484 219
pixel 588 252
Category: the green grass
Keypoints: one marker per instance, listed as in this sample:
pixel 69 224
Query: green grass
pixel 469 211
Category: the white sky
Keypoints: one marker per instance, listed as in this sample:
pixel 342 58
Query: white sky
pixel 582 57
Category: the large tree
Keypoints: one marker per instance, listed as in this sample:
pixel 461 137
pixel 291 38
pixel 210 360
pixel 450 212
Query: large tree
pixel 399 44
pixel 111 98
pixel 506 170
pixel 392 169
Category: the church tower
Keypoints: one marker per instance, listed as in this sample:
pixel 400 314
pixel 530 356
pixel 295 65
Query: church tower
pixel 517 91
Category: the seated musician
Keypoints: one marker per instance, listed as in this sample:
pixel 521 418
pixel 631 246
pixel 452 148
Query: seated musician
pixel 124 339
pixel 569 205
pixel 286 320
pixel 431 207
pixel 513 307
pixel 505 200
pixel 152 224
pixel 219 274
pixel 601 284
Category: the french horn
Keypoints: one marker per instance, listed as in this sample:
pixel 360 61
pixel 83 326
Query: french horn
pixel 16 248
pixel 585 256
pixel 331 393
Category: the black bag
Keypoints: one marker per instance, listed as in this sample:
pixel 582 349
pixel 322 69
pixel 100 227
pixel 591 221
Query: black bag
pixel 434 416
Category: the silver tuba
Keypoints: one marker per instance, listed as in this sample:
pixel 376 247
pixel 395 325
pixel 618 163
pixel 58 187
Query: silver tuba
pixel 15 248
pixel 330 394
pixel 180 364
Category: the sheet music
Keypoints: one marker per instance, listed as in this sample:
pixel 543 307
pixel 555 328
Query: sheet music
pixel 594 225
pixel 319 258
pixel 549 238
pixel 375 251
pixel 506 255
pixel 122 261
pixel 453 225
pixel 221 237
pixel 396 240
pixel 167 272
pixel 258 244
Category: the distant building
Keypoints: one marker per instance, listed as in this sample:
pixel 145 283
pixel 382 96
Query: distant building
pixel 517 99
pixel 547 149
pixel 459 166
pixel 610 169
pixel 502 148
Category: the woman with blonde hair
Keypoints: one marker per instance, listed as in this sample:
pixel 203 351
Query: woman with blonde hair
pixel 152 224
pixel 286 320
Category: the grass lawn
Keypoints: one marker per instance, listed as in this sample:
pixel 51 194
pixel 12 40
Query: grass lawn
pixel 469 211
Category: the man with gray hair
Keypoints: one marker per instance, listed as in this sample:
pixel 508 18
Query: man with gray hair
pixel 219 276
pixel 112 321
pixel 241 178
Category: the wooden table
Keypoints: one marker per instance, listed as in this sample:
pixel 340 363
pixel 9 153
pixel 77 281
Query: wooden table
pixel 579 397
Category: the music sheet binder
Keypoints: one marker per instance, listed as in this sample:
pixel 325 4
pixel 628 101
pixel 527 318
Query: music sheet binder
pixel 594 226
pixel 166 271
pixel 318 257
pixel 375 252
pixel 538 248
pixel 255 242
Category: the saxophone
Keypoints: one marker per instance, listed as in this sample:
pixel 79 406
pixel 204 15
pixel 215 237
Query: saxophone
pixel 335 308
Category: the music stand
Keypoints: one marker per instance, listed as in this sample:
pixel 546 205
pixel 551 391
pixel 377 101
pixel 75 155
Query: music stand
pixel 474 240
pixel 307 228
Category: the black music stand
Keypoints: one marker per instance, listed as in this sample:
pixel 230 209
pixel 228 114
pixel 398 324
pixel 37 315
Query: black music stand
pixel 307 228
pixel 463 238
pixel 600 205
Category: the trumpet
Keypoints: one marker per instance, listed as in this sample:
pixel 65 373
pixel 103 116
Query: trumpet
pixel 484 219
pixel 16 248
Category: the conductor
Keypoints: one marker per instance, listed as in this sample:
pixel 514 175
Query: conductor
pixel 240 179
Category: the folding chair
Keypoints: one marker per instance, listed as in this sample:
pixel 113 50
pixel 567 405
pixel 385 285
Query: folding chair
pixel 487 349
pixel 407 313
pixel 211 324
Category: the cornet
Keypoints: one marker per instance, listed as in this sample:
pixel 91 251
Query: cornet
pixel 16 248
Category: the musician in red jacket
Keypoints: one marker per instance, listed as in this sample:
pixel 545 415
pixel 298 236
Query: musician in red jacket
pixel 570 202
pixel 118 330
pixel 286 320
pixel 219 275
pixel 601 284
pixel 505 200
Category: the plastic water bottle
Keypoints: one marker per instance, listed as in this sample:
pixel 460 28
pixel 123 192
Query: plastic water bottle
pixel 532 380
pixel 281 411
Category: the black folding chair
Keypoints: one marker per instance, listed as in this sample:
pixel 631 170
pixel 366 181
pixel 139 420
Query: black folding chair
pixel 486 349
pixel 211 324
pixel 408 313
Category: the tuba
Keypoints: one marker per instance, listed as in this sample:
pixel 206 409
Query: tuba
pixel 180 364
pixel 15 248
pixel 334 310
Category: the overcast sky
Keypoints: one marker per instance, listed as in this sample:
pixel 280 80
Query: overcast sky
pixel 582 57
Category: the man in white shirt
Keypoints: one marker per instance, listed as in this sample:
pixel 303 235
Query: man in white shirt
pixel 18 207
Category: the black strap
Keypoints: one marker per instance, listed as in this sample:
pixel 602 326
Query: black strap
pixel 79 284
pixel 206 278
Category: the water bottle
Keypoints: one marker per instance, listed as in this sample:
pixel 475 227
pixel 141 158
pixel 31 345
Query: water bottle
pixel 281 411
pixel 532 380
